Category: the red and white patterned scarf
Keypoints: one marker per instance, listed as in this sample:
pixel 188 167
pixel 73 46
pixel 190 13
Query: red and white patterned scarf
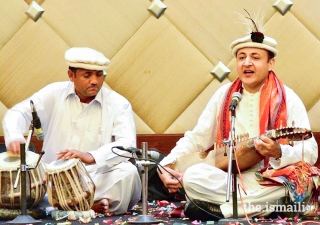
pixel 273 110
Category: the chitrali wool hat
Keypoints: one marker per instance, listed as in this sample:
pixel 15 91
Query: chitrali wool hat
pixel 256 39
pixel 86 58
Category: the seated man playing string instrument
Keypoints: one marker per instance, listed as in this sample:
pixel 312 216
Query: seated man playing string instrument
pixel 266 104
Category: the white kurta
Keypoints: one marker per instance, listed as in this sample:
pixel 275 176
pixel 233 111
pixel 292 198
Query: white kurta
pixel 105 122
pixel 208 183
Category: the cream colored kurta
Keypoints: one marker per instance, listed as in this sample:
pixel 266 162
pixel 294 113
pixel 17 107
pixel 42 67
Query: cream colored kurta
pixel 208 183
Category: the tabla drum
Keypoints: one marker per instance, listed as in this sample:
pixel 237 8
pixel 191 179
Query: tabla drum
pixel 35 181
pixel 69 185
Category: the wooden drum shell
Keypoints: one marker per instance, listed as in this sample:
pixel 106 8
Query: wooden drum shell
pixel 10 197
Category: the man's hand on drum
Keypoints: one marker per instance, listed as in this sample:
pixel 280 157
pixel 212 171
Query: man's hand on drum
pixel 14 147
pixel 171 179
pixel 85 157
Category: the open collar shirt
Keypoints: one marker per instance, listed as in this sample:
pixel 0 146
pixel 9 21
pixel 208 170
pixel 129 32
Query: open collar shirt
pixel 107 121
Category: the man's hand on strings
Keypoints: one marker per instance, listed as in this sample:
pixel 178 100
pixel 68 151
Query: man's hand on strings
pixel 267 147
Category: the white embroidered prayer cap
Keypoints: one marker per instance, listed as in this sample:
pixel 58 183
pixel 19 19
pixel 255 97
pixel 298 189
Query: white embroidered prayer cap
pixel 86 58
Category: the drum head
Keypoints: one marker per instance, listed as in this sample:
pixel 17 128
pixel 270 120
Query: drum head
pixel 11 161
pixel 59 165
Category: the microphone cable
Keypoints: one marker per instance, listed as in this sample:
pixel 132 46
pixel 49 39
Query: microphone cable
pixel 158 165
